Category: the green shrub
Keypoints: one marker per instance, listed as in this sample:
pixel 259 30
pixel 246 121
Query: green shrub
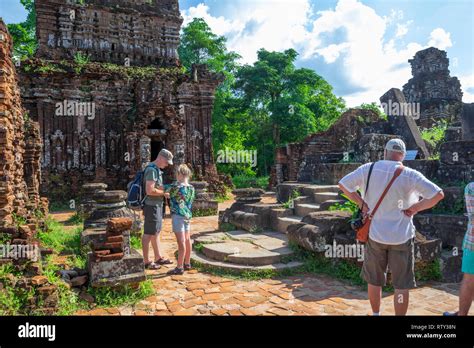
pixel 434 137
pixel 128 294
pixel 295 194
pixel 249 181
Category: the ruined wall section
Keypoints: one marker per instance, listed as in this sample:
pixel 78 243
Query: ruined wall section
pixel 166 106
pixel 142 32
pixel 20 145
pixel 294 160
pixel 439 94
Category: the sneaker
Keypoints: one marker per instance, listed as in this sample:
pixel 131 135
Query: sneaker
pixel 450 314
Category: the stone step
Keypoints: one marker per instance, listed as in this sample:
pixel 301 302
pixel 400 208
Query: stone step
pixel 284 222
pixel 306 208
pixel 302 200
pixel 248 249
pixel 320 197
pixel 328 204
pixel 201 259
pixel 311 190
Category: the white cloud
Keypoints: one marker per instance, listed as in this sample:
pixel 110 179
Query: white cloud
pixel 402 29
pixel 369 62
pixel 271 24
pixel 467 83
pixel 351 37
pixel 441 39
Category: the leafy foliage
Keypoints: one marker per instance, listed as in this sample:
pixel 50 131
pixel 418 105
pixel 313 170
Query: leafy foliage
pixel 259 106
pixel 434 137
pixel 24 34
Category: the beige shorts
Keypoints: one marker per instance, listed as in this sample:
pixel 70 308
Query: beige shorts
pixel 400 259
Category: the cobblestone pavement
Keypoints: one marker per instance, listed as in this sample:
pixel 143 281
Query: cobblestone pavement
pixel 196 293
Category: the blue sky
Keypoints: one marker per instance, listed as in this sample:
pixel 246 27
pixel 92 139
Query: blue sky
pixel 361 47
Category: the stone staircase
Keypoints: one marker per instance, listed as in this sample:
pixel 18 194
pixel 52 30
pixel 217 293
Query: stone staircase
pixel 242 251
pixel 266 247
pixel 314 198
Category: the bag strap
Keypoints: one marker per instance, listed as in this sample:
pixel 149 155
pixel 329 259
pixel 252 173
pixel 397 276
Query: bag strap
pixel 397 173
pixel 368 179
pixel 367 185
pixel 153 166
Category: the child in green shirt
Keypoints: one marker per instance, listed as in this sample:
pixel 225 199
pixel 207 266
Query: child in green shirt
pixel 182 196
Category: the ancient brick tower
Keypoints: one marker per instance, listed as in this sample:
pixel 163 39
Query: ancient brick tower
pixel 20 146
pixel 438 93
pixel 135 98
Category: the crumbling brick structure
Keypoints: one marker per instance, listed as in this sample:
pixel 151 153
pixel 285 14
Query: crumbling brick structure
pixel 103 119
pixel 20 146
pixel 438 93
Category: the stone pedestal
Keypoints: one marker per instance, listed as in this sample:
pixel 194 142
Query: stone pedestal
pixel 204 204
pixel 248 195
pixel 109 204
pixel 113 262
pixel 87 202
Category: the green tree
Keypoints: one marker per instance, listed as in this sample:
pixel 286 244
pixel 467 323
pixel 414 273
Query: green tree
pixel 262 105
pixel 287 102
pixel 199 45
pixel 24 34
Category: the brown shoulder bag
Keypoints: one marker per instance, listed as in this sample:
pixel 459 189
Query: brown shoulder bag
pixel 363 231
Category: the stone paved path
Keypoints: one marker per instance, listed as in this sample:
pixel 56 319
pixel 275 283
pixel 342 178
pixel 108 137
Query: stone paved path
pixel 197 293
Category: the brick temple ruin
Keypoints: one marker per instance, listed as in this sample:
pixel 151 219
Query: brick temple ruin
pixel 22 210
pixel 439 94
pixel 359 135
pixel 20 141
pixel 307 212
pixel 134 95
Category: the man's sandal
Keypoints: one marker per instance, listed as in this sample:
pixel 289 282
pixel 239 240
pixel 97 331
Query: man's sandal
pixel 152 266
pixel 163 261
pixel 188 267
pixel 176 271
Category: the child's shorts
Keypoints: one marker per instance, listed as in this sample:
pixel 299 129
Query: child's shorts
pixel 180 224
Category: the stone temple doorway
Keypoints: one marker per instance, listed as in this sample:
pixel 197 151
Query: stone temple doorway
pixel 157 134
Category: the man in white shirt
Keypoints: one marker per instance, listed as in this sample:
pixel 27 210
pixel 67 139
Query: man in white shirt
pixel 392 233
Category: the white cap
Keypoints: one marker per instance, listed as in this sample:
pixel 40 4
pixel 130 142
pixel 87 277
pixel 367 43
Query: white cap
pixel 396 145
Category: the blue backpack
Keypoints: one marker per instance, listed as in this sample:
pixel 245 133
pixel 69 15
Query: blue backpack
pixel 137 191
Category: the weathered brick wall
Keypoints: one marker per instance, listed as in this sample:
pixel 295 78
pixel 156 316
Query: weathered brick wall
pixel 170 109
pixel 19 144
pixel 145 32
pixel 329 146
pixel 439 94
pixel 137 110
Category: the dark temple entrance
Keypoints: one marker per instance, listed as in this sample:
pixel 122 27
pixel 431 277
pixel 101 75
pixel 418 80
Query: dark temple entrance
pixel 157 135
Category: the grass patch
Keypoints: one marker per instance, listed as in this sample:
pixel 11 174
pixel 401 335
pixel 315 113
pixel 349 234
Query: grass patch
pixel 204 212
pixel 319 264
pixel 136 242
pixel 55 207
pixel 221 198
pixel 125 295
pixel 246 181
pixel 290 203
pixel 69 301
pixel 238 275
pixel 59 239
pixel 13 299
pixel 428 271
pixel 76 219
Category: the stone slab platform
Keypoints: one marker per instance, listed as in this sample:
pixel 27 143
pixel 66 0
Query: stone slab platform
pixel 240 248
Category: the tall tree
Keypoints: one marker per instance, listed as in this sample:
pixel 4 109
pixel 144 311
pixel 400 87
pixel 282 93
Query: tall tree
pixel 199 45
pixel 24 34
pixel 291 102
pixel 262 105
